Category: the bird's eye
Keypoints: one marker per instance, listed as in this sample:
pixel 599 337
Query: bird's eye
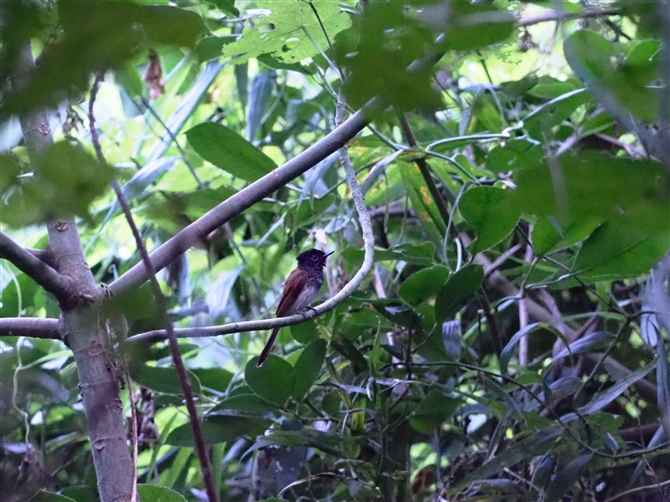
pixel 315 258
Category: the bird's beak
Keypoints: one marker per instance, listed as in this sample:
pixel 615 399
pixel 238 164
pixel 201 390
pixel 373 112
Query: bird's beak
pixel 328 254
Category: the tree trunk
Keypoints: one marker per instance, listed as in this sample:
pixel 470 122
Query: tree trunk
pixel 84 331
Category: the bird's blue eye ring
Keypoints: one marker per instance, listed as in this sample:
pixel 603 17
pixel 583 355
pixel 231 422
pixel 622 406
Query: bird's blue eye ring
pixel 315 258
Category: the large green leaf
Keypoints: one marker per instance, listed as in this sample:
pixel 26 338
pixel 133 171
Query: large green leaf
pixel 423 284
pixel 489 211
pixel 549 236
pixel 113 32
pixel 159 379
pixel 602 399
pixel 308 367
pixel 566 477
pixel 229 151
pixel 377 53
pixel 617 250
pixel 281 31
pixel 153 493
pixel 66 180
pixel 46 496
pixel 595 60
pixel 219 429
pixel 274 381
pixel 459 289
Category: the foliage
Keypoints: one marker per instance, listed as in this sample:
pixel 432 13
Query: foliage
pixel 502 349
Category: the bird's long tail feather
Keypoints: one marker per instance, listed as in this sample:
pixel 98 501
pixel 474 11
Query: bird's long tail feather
pixel 268 347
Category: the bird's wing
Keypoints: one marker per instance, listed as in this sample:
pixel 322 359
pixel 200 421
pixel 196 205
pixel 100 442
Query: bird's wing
pixel 293 286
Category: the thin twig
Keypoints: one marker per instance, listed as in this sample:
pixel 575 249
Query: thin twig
pixel 161 306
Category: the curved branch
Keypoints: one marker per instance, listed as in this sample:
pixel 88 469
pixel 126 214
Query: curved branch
pixel 241 201
pixel 36 269
pixel 30 326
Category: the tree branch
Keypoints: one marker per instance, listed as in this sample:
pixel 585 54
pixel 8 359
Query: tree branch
pixel 30 326
pixel 555 15
pixel 241 201
pixel 36 269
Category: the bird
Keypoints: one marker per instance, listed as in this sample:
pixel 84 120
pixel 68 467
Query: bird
pixel 300 290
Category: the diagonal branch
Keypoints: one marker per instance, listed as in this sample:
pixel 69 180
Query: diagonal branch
pixel 36 269
pixel 34 327
pixel 241 201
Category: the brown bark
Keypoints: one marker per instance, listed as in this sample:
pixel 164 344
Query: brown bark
pixel 82 331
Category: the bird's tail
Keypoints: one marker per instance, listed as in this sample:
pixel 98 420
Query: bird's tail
pixel 268 347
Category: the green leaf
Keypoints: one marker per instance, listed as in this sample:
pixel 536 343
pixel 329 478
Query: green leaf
pixel 490 213
pixel 377 53
pixel 508 350
pixel 521 450
pixel 219 429
pixel 247 403
pixel 210 47
pixel 617 250
pixel 594 59
pixel 67 180
pixel 549 236
pixel 81 493
pixel 229 151
pixel 424 284
pixel 10 168
pixel 217 379
pixel 398 313
pixel 590 343
pixel 602 399
pixel 114 32
pixel 308 367
pixel 596 187
pixel 469 25
pixel 433 409
pixel 515 155
pixel 280 31
pixel 305 332
pixel 160 379
pixel 414 254
pixel 227 6
pixel 333 444
pixel 46 496
pixel 153 493
pixel 554 112
pixel 566 477
pixel 274 381
pixel 458 290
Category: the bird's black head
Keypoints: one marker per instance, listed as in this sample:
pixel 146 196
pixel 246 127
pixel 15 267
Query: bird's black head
pixel 312 258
